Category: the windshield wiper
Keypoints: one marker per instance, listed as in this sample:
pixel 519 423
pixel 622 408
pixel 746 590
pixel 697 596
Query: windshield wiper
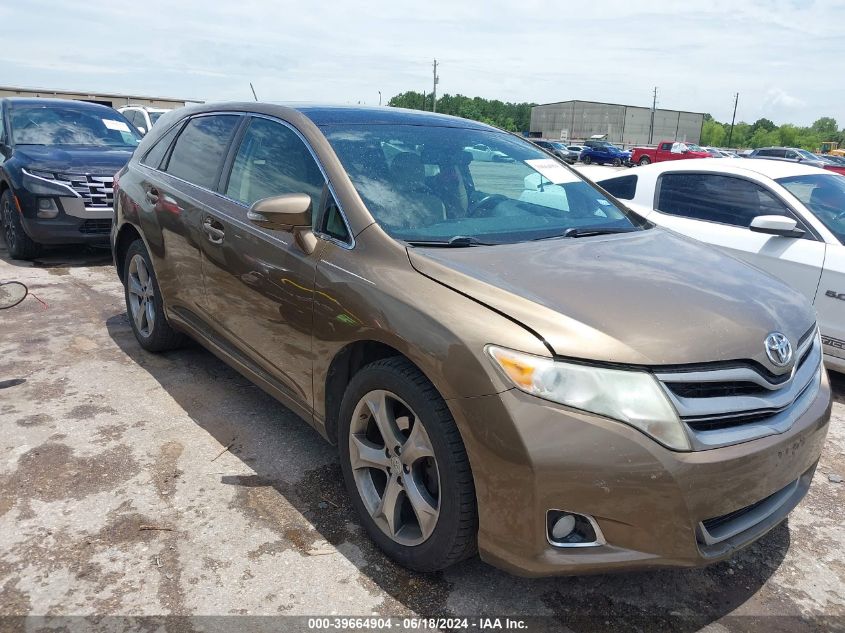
pixel 587 231
pixel 458 241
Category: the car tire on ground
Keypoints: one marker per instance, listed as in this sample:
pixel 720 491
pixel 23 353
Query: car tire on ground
pixel 405 467
pixel 144 305
pixel 20 245
pixel 645 160
pixel 586 160
pixel 617 162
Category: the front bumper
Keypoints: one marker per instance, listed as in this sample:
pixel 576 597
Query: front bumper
pixel 74 224
pixel 530 456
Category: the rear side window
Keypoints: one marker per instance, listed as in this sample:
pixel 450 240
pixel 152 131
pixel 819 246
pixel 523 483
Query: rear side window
pixel 154 156
pixel 273 160
pixel 716 198
pixel 623 188
pixel 200 149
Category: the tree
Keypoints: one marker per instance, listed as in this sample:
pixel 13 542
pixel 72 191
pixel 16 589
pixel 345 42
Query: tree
pixel 514 117
pixel 713 133
pixel 763 123
pixel 826 126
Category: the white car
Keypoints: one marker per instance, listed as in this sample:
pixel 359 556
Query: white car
pixel 785 218
pixel 481 152
pixel 142 117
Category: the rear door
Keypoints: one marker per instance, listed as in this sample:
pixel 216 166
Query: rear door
pixel 179 194
pixel 259 283
pixel 170 181
pixel 718 209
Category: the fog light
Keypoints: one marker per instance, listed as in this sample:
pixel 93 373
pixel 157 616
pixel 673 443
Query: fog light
pixel 570 529
pixel 563 527
pixel 47 208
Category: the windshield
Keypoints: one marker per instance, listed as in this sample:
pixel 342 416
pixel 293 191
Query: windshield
pixel 67 125
pixel 426 183
pixel 824 195
pixel 694 148
pixel 805 154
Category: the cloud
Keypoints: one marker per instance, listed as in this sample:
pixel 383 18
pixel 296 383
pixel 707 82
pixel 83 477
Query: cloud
pixel 698 53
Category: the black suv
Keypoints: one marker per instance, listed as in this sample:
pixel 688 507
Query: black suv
pixel 57 164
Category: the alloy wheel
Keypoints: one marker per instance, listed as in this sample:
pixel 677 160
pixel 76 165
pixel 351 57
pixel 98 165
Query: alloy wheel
pixel 141 296
pixel 394 467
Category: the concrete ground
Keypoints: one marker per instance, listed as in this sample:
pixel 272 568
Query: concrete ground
pixel 117 497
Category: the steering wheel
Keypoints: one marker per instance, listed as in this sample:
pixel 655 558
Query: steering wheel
pixel 487 202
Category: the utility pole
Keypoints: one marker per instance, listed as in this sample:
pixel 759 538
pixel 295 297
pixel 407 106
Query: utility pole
pixel 379 97
pixel 651 126
pixel 434 89
pixel 733 120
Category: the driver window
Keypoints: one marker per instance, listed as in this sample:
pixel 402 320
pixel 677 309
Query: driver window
pixel 272 160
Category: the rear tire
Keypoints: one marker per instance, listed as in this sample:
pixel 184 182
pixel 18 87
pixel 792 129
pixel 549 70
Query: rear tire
pixel 586 160
pixel 144 305
pixel 645 160
pixel 411 484
pixel 20 245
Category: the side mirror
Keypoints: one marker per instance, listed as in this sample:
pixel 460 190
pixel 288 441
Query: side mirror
pixel 11 294
pixel 776 225
pixel 290 212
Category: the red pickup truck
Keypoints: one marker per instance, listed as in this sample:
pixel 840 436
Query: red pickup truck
pixel 667 150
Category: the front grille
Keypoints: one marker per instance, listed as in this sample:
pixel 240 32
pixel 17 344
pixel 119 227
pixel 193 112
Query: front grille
pixel 95 227
pixel 725 404
pixel 96 191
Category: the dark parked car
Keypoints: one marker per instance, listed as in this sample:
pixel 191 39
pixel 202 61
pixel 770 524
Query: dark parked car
pixel 603 152
pixel 508 359
pixel 796 155
pixel 558 149
pixel 59 160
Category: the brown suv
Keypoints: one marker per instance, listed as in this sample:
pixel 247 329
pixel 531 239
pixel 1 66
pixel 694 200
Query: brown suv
pixel 508 359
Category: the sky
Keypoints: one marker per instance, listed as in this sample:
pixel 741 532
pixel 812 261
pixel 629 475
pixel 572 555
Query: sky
pixel 783 57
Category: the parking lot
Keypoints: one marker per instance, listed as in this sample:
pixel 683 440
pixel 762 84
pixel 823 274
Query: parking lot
pixel 136 484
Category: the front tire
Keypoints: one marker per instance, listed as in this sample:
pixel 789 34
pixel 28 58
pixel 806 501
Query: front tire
pixel 144 304
pixel 405 467
pixel 617 162
pixel 20 245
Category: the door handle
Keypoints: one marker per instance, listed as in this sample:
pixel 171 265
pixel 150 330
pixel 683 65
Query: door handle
pixel 213 230
pixel 151 195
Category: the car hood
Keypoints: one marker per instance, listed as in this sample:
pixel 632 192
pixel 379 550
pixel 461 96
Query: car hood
pixel 647 298
pixel 72 159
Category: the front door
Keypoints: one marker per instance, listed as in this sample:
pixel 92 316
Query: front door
pixel 718 209
pixel 259 283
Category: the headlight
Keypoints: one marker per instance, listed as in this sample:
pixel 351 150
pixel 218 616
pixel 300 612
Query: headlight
pixel 43 184
pixel 633 397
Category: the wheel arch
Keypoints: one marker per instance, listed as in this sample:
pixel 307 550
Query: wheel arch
pixel 126 235
pixel 348 361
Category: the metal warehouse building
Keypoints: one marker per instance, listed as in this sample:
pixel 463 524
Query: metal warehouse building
pixel 624 125
pixel 111 100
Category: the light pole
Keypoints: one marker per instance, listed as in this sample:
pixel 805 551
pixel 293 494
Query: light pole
pixel 379 97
